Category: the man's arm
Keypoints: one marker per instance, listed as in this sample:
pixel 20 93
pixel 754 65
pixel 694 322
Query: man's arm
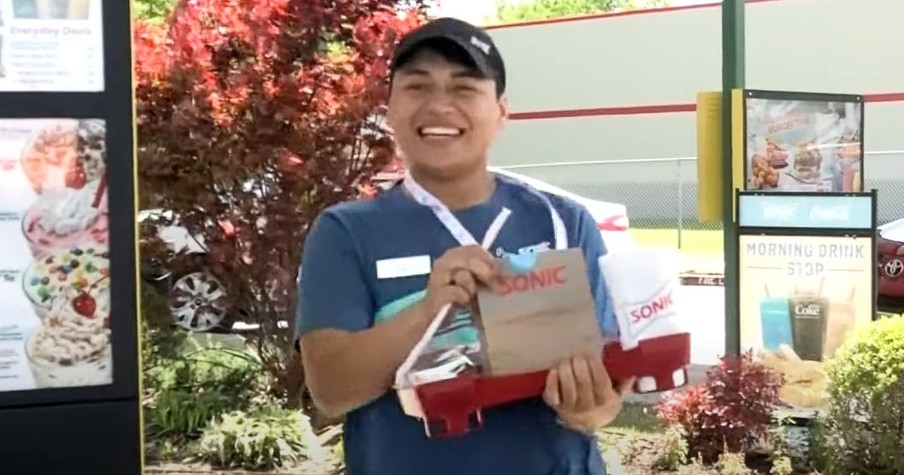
pixel 347 361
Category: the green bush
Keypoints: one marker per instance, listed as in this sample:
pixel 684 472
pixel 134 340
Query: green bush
pixel 187 393
pixel 264 439
pixel 160 339
pixel 865 423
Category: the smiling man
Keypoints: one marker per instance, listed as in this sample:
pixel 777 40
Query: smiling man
pixel 376 272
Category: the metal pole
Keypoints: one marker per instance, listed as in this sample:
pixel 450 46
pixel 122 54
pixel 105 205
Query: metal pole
pixel 680 205
pixel 732 78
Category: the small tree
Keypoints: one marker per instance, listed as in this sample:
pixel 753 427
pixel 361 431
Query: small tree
pixel 152 10
pixel 253 116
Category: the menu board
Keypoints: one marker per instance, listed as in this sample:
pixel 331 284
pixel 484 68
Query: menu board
pixel 51 46
pixel 54 268
pixel 803 142
pixel 807 281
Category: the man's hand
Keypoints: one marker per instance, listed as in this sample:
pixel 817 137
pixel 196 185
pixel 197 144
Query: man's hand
pixel 580 391
pixel 455 277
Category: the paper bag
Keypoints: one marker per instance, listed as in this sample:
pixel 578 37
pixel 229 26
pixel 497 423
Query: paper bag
pixel 542 317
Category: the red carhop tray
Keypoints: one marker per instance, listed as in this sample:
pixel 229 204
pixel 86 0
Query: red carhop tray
pixel 453 407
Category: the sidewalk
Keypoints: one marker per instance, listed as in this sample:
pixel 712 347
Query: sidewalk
pixel 697 263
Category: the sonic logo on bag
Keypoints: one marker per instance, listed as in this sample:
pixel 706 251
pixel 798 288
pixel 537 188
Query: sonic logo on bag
pixel 533 280
pixel 650 310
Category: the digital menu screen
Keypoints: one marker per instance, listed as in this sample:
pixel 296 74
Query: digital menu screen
pixel 51 46
pixel 55 263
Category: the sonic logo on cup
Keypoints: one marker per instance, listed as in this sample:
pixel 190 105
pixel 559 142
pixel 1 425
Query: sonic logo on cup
pixel 650 310
pixel 533 280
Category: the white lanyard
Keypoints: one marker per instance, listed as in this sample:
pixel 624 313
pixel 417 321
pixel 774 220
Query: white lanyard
pixel 458 231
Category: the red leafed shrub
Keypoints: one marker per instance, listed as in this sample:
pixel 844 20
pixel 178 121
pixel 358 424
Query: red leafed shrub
pixel 732 408
pixel 253 116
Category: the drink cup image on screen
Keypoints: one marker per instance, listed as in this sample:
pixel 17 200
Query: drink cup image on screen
pixel 775 320
pixel 840 322
pixel 809 311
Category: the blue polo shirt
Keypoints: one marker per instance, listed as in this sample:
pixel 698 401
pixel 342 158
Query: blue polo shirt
pixel 340 289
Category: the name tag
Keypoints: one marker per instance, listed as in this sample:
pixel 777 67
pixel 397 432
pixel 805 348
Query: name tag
pixel 403 267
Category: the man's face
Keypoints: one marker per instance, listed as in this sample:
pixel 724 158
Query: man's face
pixel 444 115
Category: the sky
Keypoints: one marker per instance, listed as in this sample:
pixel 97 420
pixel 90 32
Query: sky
pixel 475 11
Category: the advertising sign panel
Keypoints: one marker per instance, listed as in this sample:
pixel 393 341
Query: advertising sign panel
pixel 51 46
pixel 803 142
pixel 800 298
pixel 807 275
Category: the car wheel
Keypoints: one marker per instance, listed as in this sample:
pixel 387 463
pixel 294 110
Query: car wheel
pixel 198 302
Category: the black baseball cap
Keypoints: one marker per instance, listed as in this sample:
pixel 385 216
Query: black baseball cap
pixel 474 41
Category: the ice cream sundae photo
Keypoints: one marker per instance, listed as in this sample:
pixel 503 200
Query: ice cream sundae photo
pixel 72 347
pixel 66 217
pixel 67 154
pixel 82 268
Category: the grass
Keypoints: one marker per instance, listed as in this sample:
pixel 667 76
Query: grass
pixel 636 417
pixel 701 249
pixel 690 241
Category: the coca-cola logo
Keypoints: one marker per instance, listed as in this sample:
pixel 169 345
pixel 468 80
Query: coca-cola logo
pixel 809 310
pixel 832 213
pixel 533 280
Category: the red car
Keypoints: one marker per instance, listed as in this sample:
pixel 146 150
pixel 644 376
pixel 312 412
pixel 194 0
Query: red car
pixel 891 261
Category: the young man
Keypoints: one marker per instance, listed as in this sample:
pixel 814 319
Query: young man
pixel 376 272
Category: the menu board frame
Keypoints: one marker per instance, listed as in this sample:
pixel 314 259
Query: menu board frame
pixel 802 215
pixel 788 161
pixel 95 429
pixel 115 105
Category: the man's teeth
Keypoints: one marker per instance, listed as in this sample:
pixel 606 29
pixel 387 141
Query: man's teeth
pixel 440 131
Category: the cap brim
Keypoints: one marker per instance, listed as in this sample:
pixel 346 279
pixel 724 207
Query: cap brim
pixel 478 59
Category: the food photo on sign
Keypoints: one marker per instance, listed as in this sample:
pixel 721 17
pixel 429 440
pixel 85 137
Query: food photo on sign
pixel 806 143
pixel 801 298
pixel 56 267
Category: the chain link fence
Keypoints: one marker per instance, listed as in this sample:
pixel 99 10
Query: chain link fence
pixel 661 193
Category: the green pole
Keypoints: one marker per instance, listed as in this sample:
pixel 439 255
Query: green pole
pixel 732 78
